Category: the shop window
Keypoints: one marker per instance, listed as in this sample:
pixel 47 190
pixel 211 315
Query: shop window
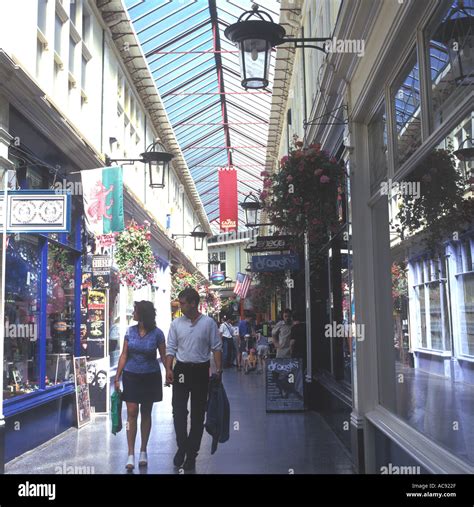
pixel 60 315
pixel 22 315
pixel 430 306
pixel 58 28
pixel 425 330
pixel 465 297
pixel 450 44
pixel 42 8
pixel 406 104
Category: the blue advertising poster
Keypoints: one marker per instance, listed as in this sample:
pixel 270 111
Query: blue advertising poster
pixel 284 385
pixel 275 262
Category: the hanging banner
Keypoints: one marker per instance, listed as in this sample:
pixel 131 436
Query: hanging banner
pixel 102 191
pixel 228 209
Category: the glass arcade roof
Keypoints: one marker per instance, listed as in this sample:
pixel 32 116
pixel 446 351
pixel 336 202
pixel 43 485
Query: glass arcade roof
pixel 197 73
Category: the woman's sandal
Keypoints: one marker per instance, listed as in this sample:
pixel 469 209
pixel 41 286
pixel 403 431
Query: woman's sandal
pixel 130 463
pixel 143 460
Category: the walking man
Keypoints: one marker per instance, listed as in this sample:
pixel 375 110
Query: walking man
pixel 227 331
pixel 191 339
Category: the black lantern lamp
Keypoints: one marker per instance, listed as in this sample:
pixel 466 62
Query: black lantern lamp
pixel 456 32
pixel 158 163
pixel 198 235
pixel 466 154
pixel 157 159
pixel 252 208
pixel 255 34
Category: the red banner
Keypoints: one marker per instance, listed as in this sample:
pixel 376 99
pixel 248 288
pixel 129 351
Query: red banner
pixel 228 215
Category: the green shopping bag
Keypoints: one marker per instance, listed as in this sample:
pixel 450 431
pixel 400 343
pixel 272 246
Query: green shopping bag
pixel 116 411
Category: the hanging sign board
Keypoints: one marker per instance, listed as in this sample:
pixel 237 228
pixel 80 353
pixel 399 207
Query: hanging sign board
pixel 265 263
pixel 269 244
pixel 37 211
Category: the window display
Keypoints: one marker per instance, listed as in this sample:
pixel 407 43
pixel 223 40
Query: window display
pixel 22 310
pixel 60 313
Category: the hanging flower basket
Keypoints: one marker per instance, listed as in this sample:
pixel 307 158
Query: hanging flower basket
pixel 304 195
pixel 134 256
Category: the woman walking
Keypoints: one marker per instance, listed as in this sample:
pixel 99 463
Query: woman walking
pixel 142 383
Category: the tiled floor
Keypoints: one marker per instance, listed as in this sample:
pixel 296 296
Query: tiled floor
pixel 260 442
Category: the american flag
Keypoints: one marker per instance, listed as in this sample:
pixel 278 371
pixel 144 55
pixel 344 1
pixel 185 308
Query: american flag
pixel 242 285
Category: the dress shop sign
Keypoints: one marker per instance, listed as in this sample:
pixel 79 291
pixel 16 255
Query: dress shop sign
pixel 36 211
pixel 265 263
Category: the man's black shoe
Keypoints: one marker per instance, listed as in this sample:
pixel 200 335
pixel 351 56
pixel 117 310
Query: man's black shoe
pixel 179 458
pixel 190 463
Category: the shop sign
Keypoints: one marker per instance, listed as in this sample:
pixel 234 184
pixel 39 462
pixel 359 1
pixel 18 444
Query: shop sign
pixel 37 211
pixel 284 386
pixel 269 243
pixel 265 263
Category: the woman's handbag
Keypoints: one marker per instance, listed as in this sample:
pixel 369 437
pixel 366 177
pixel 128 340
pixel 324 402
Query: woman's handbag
pixel 116 411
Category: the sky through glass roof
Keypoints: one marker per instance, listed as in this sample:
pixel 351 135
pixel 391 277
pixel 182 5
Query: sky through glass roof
pixel 196 70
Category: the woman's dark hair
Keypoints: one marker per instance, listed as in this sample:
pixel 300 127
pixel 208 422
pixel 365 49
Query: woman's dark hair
pixel 190 296
pixel 146 314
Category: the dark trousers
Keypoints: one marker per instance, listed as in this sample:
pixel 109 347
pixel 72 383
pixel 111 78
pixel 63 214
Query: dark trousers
pixel 190 379
pixel 228 352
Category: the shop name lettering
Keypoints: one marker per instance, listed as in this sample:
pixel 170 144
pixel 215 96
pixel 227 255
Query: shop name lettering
pixel 21 331
pixel 283 263
pixel 292 365
pixel 28 489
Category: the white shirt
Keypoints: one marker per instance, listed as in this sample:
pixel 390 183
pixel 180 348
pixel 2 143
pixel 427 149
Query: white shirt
pixel 226 330
pixel 193 343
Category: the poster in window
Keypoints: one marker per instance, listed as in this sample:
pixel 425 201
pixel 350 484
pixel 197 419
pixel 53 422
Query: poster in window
pixel 83 406
pixel 101 266
pixel 284 385
pixel 98 380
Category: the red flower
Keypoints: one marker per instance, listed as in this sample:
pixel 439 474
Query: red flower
pixel 325 179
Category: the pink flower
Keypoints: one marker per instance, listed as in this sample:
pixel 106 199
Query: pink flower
pixel 284 160
pixel 318 172
pixel 263 195
pixel 325 179
pixel 267 183
pixel 289 178
pixel 265 174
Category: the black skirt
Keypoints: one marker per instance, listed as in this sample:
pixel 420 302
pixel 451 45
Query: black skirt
pixel 142 387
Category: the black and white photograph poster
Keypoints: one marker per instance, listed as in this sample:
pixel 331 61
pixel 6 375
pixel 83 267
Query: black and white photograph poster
pixel 98 381
pixel 83 406
pixel 284 385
